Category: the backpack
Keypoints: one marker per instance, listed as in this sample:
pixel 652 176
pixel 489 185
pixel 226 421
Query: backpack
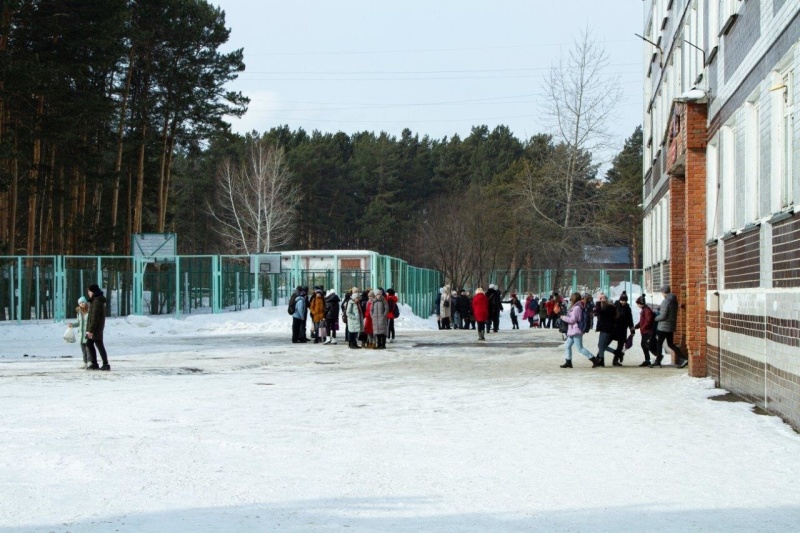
pixel 395 309
pixel 292 303
pixel 519 306
pixel 585 322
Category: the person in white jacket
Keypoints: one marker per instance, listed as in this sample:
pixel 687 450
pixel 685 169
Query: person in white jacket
pixel 82 312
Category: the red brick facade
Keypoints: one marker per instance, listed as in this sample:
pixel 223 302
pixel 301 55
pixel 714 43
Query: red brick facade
pixel 687 188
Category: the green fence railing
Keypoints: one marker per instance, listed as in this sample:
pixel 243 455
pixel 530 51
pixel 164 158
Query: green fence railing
pixel 48 287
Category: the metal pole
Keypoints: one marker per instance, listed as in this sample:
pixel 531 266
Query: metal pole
pixel 177 286
pixel 37 292
pixel 19 289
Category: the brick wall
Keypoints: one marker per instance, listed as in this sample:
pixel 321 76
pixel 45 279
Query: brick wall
pixel 743 261
pixel 713 274
pixel 786 253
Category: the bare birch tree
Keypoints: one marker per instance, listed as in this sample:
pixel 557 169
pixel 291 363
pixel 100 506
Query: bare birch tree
pixel 256 200
pixel 580 98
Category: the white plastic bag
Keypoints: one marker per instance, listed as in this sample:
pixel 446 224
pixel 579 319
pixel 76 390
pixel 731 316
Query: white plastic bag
pixel 69 335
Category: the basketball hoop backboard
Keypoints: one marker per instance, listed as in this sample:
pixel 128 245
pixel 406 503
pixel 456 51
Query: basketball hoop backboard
pixel 155 247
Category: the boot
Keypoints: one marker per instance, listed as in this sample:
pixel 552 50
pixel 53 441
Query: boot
pixel 332 340
pixel 595 362
pixel 601 360
pixel 646 363
pixel 657 362
pixel 567 364
pixel 481 336
pixel 328 340
pixel 616 361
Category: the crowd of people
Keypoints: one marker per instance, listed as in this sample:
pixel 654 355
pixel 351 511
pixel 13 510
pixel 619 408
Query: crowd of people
pixel 367 317
pixel 458 309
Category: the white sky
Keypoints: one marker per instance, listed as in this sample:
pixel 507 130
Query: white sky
pixel 436 67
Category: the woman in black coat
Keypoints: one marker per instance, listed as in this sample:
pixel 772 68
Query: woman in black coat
pixel 622 324
pixel 606 315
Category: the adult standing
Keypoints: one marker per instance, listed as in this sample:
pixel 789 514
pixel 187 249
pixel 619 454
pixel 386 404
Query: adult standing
pixel 354 318
pixel 299 317
pixel 444 307
pixel 95 324
pixel 606 319
pixel 380 319
pixel 437 304
pixel 464 309
pixel 666 323
pixel 331 315
pixel 391 302
pixel 575 318
pixel 647 320
pixel 495 306
pixel 480 310
pixel 456 313
pixel 317 309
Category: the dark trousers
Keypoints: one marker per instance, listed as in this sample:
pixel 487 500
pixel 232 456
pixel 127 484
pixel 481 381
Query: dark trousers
pixel 445 322
pixel 330 323
pixel 514 322
pixel 391 328
pixel 298 329
pixel 495 320
pixel 646 345
pixel 90 345
pixel 604 344
pixel 662 336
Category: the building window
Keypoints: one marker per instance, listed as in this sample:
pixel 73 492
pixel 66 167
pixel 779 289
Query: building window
pixel 787 139
pixel 712 192
pixel 752 156
pixel 727 170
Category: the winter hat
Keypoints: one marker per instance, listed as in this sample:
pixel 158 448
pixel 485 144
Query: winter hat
pixel 390 292
pixel 641 300
pixel 82 300
pixel 492 286
pixel 371 294
pixel 479 290
pixel 454 293
pixel 95 289
pixel 513 294
pixel 665 289
pixel 330 291
pixel 623 297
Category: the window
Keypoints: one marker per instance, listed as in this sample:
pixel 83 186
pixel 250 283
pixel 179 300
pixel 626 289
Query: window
pixel 787 139
pixel 727 176
pixel 712 181
pixel 782 139
pixel 752 156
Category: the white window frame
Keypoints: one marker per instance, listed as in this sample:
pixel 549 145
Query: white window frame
pixel 728 175
pixel 752 156
pixel 787 139
pixel 712 188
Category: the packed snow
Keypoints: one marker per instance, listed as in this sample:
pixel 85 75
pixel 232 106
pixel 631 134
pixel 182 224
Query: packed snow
pixel 219 423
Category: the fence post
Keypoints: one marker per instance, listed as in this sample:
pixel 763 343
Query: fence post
pixel 177 286
pixel 19 290
pixel 59 287
pixel 216 284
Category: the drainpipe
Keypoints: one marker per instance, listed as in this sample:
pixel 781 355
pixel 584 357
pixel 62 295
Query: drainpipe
pixel 719 339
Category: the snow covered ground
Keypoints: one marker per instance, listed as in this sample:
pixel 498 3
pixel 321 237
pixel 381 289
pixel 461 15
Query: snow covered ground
pixel 219 423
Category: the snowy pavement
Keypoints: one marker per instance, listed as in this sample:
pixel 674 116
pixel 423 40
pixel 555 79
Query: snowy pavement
pixel 218 423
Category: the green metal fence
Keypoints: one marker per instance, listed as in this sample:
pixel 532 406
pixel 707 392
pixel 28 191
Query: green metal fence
pixel 570 280
pixel 48 287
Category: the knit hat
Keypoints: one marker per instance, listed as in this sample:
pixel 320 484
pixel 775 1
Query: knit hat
pixel 82 300
pixel 95 289
pixel 641 300
pixel 665 289
pixel 330 291
pixel 492 286
pixel 390 292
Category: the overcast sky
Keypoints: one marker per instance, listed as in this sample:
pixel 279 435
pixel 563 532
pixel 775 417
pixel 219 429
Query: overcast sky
pixel 437 67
